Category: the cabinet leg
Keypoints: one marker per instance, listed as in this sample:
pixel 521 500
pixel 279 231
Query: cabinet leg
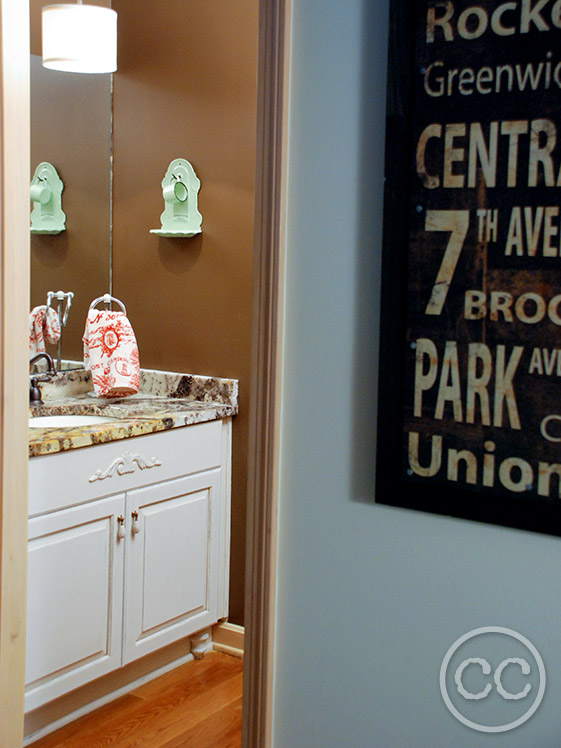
pixel 199 644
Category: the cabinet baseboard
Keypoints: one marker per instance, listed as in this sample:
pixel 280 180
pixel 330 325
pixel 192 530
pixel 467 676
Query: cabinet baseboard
pixel 76 704
pixel 225 637
pixel 228 638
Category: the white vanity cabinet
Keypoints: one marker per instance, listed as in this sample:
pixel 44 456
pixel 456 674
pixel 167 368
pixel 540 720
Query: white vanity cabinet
pixel 128 552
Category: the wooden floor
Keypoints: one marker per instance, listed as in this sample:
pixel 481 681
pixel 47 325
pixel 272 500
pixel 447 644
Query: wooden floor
pixel 198 705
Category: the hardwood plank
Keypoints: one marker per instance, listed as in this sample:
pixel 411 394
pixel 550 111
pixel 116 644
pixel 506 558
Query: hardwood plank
pixel 202 697
pixel 82 729
pixel 193 675
pixel 221 730
pixel 164 720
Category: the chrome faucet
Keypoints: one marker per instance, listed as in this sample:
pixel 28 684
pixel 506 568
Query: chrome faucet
pixel 34 391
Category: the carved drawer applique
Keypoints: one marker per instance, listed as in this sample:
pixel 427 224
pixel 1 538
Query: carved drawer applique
pixel 128 463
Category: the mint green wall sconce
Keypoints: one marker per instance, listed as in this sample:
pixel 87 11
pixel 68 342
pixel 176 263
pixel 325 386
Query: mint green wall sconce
pixel 47 216
pixel 180 188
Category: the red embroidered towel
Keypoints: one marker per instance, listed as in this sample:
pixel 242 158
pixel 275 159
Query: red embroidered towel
pixel 44 325
pixel 111 352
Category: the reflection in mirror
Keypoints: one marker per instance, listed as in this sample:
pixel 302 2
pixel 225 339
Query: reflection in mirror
pixel 71 128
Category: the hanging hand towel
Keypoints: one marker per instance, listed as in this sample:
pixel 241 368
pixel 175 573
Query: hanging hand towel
pixel 44 325
pixel 111 352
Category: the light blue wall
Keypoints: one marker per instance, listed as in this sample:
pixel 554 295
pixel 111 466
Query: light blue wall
pixel 371 597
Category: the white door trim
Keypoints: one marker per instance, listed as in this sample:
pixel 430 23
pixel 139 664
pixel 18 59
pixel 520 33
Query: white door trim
pixel 14 364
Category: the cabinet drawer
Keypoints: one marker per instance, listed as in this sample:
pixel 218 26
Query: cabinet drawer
pixel 69 478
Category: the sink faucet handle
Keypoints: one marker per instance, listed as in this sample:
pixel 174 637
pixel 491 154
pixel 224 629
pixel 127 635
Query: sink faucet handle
pixel 48 358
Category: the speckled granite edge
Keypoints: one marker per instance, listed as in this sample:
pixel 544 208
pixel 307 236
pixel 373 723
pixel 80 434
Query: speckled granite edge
pixel 152 382
pixel 166 400
pixel 189 386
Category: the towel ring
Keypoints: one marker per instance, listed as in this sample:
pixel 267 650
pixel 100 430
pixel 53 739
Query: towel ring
pixel 107 299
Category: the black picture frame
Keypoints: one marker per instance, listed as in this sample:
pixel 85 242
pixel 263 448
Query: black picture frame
pixel 406 249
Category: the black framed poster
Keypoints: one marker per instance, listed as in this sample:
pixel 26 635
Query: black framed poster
pixel 470 359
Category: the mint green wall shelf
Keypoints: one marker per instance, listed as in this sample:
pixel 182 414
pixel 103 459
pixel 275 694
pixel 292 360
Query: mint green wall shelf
pixel 47 216
pixel 180 188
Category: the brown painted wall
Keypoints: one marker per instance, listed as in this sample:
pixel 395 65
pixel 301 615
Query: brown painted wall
pixel 186 87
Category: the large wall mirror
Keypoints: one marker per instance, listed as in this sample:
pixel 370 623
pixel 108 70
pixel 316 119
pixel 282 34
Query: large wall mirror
pixel 71 127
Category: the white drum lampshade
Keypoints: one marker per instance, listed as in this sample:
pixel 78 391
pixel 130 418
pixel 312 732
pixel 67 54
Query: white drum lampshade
pixel 80 38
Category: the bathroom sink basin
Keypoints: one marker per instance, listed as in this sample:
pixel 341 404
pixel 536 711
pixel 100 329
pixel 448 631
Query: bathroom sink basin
pixel 66 421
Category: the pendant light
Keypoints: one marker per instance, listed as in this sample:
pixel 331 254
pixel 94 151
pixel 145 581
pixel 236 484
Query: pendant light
pixel 80 38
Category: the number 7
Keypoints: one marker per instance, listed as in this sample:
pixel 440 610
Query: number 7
pixel 457 222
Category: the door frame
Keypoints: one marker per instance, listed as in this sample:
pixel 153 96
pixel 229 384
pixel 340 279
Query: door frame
pixel 14 361
pixel 270 190
pixel 271 185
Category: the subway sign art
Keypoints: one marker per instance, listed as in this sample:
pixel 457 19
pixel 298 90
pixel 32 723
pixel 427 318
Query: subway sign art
pixel 470 373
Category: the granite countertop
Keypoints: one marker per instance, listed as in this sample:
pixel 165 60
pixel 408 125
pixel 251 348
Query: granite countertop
pixel 166 400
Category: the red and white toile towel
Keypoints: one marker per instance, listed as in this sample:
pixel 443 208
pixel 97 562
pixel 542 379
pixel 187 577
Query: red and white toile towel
pixel 44 326
pixel 111 352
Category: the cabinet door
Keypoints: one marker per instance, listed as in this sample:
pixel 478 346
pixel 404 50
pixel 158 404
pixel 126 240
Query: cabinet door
pixel 75 594
pixel 171 576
